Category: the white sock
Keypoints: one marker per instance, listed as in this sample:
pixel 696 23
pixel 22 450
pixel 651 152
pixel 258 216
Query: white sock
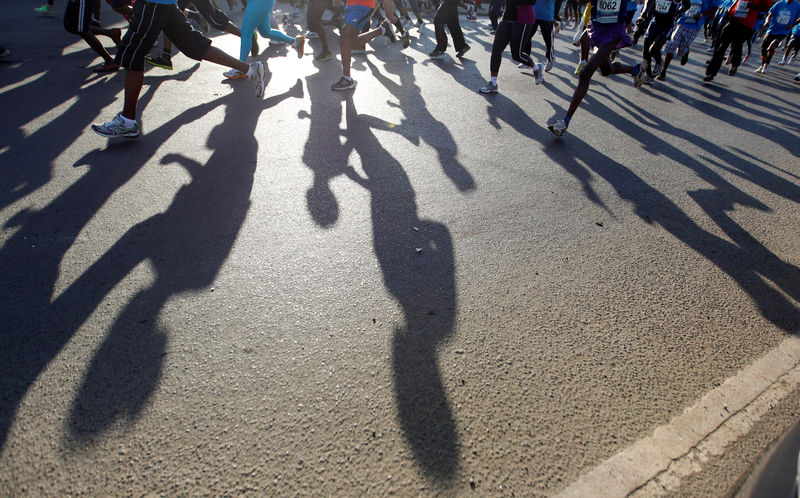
pixel 493 79
pixel 130 123
pixel 348 78
pixel 251 70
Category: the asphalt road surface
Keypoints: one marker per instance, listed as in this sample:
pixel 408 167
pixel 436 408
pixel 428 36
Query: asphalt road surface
pixel 410 288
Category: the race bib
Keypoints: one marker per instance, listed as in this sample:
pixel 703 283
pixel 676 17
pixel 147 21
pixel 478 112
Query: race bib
pixel 608 11
pixel 742 9
pixel 693 11
pixel 784 17
pixel 662 6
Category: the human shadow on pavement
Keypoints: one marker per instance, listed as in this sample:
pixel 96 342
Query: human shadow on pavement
pixel 28 157
pixel 424 284
pixel 418 123
pixel 30 259
pixel 187 245
pixel 745 259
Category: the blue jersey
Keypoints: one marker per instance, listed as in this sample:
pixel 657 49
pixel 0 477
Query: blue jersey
pixel 781 16
pixel 696 7
pixel 544 10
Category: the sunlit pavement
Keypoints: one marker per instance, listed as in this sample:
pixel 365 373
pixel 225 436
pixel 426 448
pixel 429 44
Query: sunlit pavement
pixel 409 288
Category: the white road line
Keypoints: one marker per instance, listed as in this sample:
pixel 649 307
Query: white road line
pixel 718 419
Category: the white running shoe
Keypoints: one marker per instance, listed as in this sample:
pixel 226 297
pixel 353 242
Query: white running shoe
pixel 116 128
pixel 538 74
pixel 311 34
pixel 549 65
pixel 489 88
pixel 558 127
pixel 258 74
pixel 234 74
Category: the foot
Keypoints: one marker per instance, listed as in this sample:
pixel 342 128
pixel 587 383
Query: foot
pixel 258 74
pixel 436 54
pixel 782 62
pixel 648 79
pixel 324 56
pixel 344 83
pixel 684 59
pixel 45 10
pixel 311 34
pixel 405 40
pixel 489 88
pixel 658 68
pixel 708 79
pixel 538 74
pixel 234 74
pixel 163 61
pixel 732 70
pixel 108 67
pixel 117 128
pixel 558 127
pixel 299 44
pixel 662 76
pixel 549 65
pixel 638 74
pixel 463 51
pixel 581 65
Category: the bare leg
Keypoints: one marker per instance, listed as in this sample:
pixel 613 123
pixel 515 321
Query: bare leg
pixel 133 87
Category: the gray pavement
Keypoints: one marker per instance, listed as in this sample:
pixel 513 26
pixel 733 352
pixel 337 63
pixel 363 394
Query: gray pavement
pixel 408 289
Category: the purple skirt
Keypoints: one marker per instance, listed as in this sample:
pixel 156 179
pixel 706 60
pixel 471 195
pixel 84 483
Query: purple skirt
pixel 600 34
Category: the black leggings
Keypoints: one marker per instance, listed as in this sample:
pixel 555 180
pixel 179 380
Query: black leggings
pixel 652 50
pixel 514 33
pixel 547 36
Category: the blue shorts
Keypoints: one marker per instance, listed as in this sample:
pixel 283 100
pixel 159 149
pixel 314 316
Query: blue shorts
pixel 357 16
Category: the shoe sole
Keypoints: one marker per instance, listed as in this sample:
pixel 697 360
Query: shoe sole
pixel 556 133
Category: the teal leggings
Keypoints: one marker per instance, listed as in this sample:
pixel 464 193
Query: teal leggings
pixel 257 16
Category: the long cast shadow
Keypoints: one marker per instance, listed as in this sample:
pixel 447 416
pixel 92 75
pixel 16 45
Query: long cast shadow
pixel 424 285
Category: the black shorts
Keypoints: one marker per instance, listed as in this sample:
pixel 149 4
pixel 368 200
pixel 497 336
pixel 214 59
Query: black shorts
pixel 119 3
pixel 794 42
pixel 213 15
pixel 148 21
pixel 78 15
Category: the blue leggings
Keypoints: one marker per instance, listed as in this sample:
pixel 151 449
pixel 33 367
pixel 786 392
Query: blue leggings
pixel 257 16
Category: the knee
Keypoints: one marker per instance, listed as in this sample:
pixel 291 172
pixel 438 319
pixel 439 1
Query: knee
pixel 604 70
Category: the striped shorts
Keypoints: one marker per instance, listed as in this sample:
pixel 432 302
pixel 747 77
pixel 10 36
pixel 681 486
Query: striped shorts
pixel 148 21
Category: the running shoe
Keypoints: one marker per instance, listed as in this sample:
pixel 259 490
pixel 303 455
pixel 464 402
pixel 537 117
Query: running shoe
pixel 685 58
pixel 163 61
pixel 558 127
pixel 436 54
pixel 344 84
pixel 489 88
pixel 494 31
pixel 44 10
pixel 258 74
pixel 732 70
pixel 763 69
pixel 797 78
pixel 662 76
pixel 658 68
pixel 549 65
pixel 299 45
pixel 311 35
pixel 538 74
pixel 782 62
pixel 234 74
pixel 581 65
pixel 4 52
pixel 116 128
pixel 648 79
pixel 463 51
pixel 405 40
pixel 324 56
pixel 708 79
pixel 638 74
